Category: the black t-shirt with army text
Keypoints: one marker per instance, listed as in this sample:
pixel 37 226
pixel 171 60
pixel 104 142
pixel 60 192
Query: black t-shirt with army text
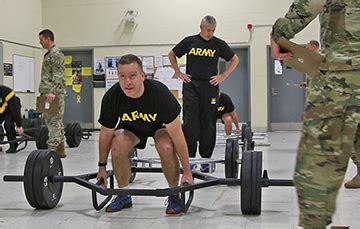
pixel 142 116
pixel 10 104
pixel 202 56
pixel 225 105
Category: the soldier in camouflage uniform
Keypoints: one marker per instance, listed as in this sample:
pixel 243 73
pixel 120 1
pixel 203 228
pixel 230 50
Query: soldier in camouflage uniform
pixel 332 110
pixel 52 85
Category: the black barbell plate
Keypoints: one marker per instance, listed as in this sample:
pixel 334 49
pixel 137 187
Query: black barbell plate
pixel 37 179
pixel 228 159
pixel 73 134
pixel 247 136
pixel 243 127
pixel 231 156
pixel 28 178
pixel 26 123
pixel 34 125
pixel 31 125
pixel 77 133
pixel 36 122
pixel 133 154
pixel 236 157
pixel 2 133
pixel 250 195
pixel 252 145
pixel 66 128
pixel 68 137
pixel 42 136
pixel 47 193
pixel 256 181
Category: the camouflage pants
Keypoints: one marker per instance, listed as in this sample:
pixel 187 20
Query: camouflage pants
pixel 56 126
pixel 330 120
pixel 355 156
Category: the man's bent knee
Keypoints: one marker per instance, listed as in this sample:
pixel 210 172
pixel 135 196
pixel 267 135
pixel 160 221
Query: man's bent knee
pixel 122 143
pixel 165 148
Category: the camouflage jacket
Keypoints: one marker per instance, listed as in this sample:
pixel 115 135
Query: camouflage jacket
pixel 53 73
pixel 339 29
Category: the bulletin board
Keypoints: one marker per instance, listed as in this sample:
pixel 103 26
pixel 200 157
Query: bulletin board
pixel 23 73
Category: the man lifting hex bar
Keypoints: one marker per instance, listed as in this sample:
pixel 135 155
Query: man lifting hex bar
pixel 131 111
pixel 10 114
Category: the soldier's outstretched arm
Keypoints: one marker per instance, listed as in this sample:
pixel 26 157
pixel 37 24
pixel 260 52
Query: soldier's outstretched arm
pixel 300 14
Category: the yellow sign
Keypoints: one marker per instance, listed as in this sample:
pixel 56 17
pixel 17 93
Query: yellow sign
pixel 86 71
pixel 68 71
pixel 68 81
pixel 67 59
pixel 76 88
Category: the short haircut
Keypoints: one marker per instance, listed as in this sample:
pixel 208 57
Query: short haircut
pixel 47 33
pixel 315 43
pixel 208 20
pixel 129 59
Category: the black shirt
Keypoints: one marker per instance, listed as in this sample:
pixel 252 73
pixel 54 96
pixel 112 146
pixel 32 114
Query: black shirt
pixel 202 55
pixel 10 104
pixel 225 105
pixel 144 115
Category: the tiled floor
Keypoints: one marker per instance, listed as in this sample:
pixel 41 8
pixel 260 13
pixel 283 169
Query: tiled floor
pixel 214 207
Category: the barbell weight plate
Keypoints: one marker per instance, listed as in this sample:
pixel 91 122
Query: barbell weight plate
pixel 77 133
pixel 26 123
pixel 256 181
pixel 252 145
pixel 250 195
pixel 243 127
pixel 36 122
pixel 73 134
pixel 2 133
pixel 247 135
pixel 231 156
pixel 47 193
pixel 68 137
pixel 28 179
pixel 235 157
pixel 133 154
pixel 34 125
pixel 42 136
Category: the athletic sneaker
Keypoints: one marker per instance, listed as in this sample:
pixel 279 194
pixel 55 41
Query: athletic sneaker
pixel 174 205
pixel 119 203
pixel 193 167
pixel 205 168
pixel 13 147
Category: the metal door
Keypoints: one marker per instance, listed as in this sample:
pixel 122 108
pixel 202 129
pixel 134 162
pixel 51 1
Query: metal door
pixel 79 104
pixel 237 85
pixel 286 97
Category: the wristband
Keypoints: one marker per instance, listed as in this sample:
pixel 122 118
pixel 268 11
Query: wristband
pixel 102 164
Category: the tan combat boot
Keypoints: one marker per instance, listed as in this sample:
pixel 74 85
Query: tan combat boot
pixel 60 150
pixel 354 183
